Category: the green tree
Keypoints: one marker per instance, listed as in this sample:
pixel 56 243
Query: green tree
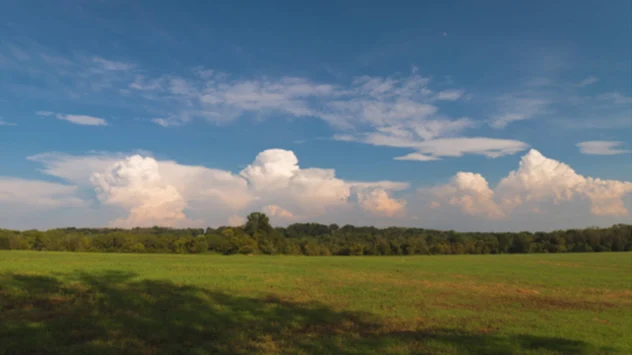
pixel 257 222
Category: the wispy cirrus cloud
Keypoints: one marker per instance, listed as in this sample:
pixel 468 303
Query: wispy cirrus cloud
pixel 83 120
pixel 602 148
pixel 615 97
pixel 518 107
pixel 37 194
pixel 588 81
pixel 391 111
pixel 45 113
pixel 400 110
pixel 450 95
pixel 434 149
pixel 6 123
pixel 50 74
pixel 113 65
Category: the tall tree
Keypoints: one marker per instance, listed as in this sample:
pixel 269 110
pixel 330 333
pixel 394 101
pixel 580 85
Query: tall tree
pixel 258 223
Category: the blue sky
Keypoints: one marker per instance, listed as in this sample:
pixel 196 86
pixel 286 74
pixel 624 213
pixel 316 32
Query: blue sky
pixel 378 113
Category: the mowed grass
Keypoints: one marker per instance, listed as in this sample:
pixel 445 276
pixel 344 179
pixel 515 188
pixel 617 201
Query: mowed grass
pixel 80 303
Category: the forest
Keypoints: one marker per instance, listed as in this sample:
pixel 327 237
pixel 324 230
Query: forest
pixel 257 236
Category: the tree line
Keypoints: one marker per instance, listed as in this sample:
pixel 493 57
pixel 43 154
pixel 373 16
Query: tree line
pixel 257 236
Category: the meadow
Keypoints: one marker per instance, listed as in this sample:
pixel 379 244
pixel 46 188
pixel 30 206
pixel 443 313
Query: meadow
pixel 107 303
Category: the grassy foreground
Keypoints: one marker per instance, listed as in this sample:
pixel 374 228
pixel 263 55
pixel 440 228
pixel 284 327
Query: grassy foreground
pixel 197 304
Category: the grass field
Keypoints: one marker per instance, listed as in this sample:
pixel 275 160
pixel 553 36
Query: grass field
pixel 197 304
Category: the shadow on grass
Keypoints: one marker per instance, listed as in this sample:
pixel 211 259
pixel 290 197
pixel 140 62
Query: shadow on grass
pixel 113 313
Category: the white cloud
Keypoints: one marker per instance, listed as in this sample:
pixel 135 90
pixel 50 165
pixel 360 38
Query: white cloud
pixel 370 104
pixel 162 122
pixel 275 173
pixel 44 113
pixel 136 189
pixel 236 221
pixel 135 184
pixel 277 211
pixel 146 191
pixel 616 121
pixel 19 54
pixel 379 203
pixel 517 108
pixel 539 82
pixel 444 147
pixel 82 120
pixel 5 123
pixel 207 189
pixel 318 190
pixel 616 98
pixel 455 147
pixel 471 193
pixel 112 65
pixel 384 185
pixel 450 95
pixel 167 122
pixel 75 169
pixel 602 148
pixel 271 170
pixel 37 194
pixel 539 184
pixel 434 128
pixel 588 81
pixel 417 157
pixel 206 192
pixel 539 178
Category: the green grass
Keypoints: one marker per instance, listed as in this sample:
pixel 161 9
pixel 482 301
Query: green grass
pixel 80 303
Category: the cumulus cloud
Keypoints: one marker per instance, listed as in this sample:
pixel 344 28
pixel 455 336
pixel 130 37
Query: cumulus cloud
pixel 383 184
pixel 538 183
pixel 135 184
pixel 317 190
pixel 471 193
pixel 541 179
pixel 148 192
pixel 236 221
pixel 277 211
pixel 272 169
pixel 602 148
pixel 379 203
pixel 276 172
pixel 139 190
pixel 208 193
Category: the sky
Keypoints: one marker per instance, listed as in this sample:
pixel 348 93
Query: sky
pixel 471 116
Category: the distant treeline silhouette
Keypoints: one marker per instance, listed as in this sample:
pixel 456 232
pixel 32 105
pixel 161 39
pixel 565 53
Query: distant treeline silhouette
pixel 257 236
